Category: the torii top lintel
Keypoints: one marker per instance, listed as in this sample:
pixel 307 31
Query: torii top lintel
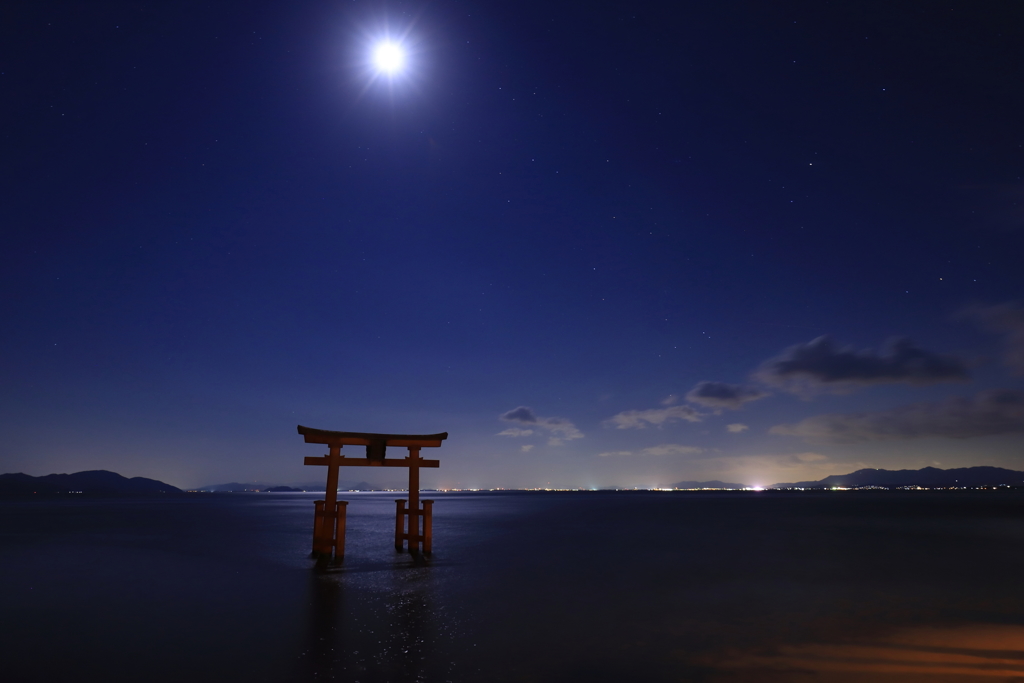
pixel 331 438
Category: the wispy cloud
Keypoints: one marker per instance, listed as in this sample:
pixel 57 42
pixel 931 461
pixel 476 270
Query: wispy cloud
pixel 515 431
pixel 526 448
pixel 737 427
pixel 663 449
pixel 821 365
pixel 997 411
pixel 520 414
pixel 1006 319
pixel 721 395
pixel 641 419
pixel 671 449
pixel 559 428
pixel 713 395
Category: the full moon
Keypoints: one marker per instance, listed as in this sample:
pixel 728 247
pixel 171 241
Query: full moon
pixel 388 57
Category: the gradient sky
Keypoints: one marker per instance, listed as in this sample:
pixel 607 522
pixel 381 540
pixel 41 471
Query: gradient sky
pixel 599 243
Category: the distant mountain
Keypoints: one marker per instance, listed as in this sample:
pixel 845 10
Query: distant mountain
pixel 357 486
pixel 342 486
pixel 91 482
pixel 252 487
pixel 929 477
pixel 707 485
pixel 234 487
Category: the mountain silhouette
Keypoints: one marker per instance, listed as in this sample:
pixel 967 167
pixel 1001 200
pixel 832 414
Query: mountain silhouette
pixel 928 477
pixel 91 482
pixel 311 487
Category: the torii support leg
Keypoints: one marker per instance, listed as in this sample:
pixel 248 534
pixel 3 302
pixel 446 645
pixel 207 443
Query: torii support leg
pixel 400 535
pixel 329 520
pixel 329 530
pixel 428 525
pixel 414 499
pixel 339 530
pixel 420 535
pixel 318 528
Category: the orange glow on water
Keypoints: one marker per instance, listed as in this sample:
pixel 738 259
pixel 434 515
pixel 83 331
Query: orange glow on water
pixel 962 653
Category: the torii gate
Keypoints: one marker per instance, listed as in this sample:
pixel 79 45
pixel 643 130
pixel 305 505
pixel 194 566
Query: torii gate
pixel 329 521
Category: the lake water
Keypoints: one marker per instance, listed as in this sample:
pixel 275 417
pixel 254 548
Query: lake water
pixel 602 586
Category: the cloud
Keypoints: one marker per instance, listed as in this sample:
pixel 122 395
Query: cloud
pixel 520 414
pixel 716 395
pixel 515 431
pixel 641 419
pixel 663 449
pixel 671 449
pixel 820 364
pixel 737 427
pixel 722 395
pixel 997 411
pixel 526 448
pixel 1006 319
pixel 561 429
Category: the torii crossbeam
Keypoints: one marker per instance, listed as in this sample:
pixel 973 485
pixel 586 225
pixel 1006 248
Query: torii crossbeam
pixel 329 521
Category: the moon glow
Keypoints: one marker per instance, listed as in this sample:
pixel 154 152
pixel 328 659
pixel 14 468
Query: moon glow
pixel 388 57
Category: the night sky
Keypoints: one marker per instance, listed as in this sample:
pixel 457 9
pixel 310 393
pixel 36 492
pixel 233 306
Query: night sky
pixel 599 243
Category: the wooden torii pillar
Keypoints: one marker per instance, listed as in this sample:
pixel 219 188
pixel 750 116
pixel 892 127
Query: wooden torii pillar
pixel 329 519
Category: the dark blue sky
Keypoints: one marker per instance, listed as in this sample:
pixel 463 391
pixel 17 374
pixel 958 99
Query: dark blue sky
pixel 218 222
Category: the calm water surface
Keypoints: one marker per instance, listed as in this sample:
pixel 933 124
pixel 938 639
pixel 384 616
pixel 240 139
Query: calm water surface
pixel 845 586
